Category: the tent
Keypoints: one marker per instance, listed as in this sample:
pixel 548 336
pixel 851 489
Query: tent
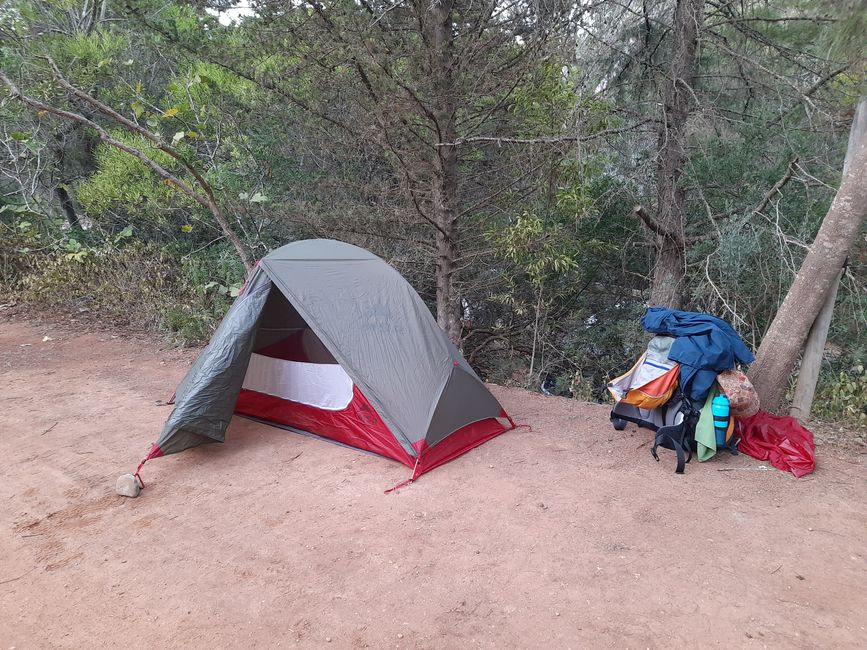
pixel 328 339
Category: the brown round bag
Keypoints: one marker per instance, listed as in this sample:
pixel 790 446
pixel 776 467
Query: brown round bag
pixel 743 399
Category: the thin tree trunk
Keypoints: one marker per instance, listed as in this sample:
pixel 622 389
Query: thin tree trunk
pixel 448 315
pixel 67 205
pixel 668 274
pixel 811 360
pixel 440 39
pixel 535 335
pixel 779 349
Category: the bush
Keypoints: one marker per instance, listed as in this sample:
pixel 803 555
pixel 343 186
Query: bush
pixel 843 396
pixel 21 236
pixel 138 285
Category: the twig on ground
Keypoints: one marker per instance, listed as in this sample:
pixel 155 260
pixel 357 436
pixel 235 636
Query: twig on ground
pixel 49 428
pixel 18 578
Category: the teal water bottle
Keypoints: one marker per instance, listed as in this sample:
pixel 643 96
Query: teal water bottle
pixel 719 407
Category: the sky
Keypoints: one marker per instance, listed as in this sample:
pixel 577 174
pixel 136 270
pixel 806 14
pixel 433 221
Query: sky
pixel 234 14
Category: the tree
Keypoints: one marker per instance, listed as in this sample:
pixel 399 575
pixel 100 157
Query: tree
pixel 779 349
pixel 761 90
pixel 669 271
pixel 205 194
pixel 408 80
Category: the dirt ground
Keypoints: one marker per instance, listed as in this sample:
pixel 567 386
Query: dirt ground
pixel 566 536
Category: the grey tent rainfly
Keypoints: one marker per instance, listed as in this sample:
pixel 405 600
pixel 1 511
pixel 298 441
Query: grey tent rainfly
pixel 328 339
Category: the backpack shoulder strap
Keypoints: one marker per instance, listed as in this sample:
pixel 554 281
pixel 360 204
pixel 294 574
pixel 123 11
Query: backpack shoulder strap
pixel 673 438
pixel 676 437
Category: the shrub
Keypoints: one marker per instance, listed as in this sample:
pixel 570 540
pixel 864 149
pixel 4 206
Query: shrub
pixel 843 396
pixel 138 285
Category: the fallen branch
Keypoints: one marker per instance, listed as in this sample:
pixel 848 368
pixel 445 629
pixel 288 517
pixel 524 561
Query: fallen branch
pixel 3 582
pixel 49 428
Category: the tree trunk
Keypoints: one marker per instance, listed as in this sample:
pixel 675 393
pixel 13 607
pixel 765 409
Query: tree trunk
pixel 68 207
pixel 668 274
pixel 448 313
pixel 811 360
pixel 780 347
pixel 444 193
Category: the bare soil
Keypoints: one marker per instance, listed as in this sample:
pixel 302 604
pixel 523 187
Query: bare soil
pixel 566 536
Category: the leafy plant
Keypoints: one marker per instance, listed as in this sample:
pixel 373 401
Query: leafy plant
pixel 844 396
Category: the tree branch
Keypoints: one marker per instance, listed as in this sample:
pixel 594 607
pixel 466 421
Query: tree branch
pixel 779 185
pixel 648 221
pixel 206 201
pixel 554 139
pixel 810 92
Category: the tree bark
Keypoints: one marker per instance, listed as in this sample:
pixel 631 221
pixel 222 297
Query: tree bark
pixel 448 310
pixel 779 349
pixel 811 360
pixel 440 37
pixel 668 274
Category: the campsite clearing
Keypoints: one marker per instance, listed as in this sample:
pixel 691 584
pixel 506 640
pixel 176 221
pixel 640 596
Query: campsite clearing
pixel 566 536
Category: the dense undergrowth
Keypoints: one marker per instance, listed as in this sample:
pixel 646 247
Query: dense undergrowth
pixel 128 283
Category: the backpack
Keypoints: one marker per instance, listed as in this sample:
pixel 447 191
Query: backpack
pixel 674 424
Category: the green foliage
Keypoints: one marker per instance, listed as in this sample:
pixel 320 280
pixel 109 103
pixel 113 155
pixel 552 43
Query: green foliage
pixel 542 250
pixel 208 271
pixel 124 280
pixel 136 285
pixel 843 396
pixel 122 181
pixel 90 52
pixel 552 98
pixel 542 103
pixel 26 235
pixel 552 242
pixel 195 96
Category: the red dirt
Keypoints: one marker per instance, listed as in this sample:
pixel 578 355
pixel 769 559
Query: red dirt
pixel 566 536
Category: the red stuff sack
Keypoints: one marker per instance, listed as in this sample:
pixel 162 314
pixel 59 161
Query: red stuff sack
pixel 780 440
